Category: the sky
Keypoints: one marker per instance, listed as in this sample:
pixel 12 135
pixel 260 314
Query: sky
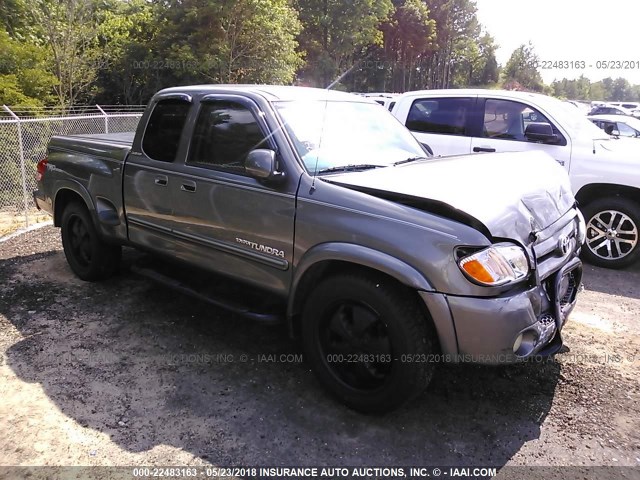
pixel 568 30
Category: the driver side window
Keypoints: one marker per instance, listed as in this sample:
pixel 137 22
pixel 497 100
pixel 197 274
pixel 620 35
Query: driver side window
pixel 224 134
pixel 508 120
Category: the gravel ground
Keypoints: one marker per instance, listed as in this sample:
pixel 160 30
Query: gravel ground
pixel 128 373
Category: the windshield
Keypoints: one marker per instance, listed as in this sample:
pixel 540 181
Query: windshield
pixel 632 122
pixel 334 134
pixel 573 119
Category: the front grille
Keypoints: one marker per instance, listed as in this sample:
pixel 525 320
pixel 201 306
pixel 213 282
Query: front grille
pixel 569 296
pixel 546 319
pixel 549 257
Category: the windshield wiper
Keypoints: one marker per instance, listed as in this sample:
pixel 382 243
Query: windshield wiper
pixel 410 159
pixel 350 168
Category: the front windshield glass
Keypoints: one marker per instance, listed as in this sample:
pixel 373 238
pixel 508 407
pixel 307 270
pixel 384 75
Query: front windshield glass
pixel 335 134
pixel 634 123
pixel 574 120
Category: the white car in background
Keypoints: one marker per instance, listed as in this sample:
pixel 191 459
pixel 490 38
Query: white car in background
pixel 634 107
pixel 617 125
pixel 387 100
pixel 604 171
pixel 613 110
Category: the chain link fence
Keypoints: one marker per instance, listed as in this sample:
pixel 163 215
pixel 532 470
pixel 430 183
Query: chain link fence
pixel 24 135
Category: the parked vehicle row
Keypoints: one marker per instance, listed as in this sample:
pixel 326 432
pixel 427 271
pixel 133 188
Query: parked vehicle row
pixel 382 259
pixel 604 172
pixel 617 125
pixel 616 108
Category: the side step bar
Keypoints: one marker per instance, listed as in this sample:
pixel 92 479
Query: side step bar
pixel 172 283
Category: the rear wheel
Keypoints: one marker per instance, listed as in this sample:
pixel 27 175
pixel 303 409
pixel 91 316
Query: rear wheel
pixel 613 229
pixel 88 255
pixel 367 341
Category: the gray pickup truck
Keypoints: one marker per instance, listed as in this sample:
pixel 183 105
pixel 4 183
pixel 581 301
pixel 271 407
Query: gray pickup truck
pixel 382 260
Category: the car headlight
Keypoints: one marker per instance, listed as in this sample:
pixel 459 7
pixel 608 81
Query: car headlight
pixel 497 265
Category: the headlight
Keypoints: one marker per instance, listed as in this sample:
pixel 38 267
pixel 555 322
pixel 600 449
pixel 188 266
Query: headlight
pixel 497 265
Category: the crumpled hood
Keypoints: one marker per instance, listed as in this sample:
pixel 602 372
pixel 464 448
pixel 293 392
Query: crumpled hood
pixel 511 194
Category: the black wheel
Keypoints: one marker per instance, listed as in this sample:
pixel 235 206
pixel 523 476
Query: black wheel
pixel 613 228
pixel 367 341
pixel 88 255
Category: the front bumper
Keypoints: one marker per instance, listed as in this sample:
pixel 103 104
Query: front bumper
pixel 513 327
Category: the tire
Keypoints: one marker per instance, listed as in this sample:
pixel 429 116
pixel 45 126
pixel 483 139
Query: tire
pixel 349 315
pixel 88 255
pixel 613 232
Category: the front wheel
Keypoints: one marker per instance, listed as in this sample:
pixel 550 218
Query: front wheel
pixel 367 341
pixel 613 227
pixel 88 255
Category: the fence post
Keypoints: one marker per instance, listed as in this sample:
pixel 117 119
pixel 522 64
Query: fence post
pixel 106 118
pixel 22 167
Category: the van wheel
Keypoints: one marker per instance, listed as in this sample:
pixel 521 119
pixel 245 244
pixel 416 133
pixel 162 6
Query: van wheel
pixel 613 228
pixel 88 255
pixel 367 341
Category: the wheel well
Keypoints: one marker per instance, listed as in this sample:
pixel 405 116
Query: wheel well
pixel 63 198
pixel 327 268
pixel 589 193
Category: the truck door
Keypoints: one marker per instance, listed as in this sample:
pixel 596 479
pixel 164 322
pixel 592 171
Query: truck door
pixel 510 126
pixel 225 219
pixel 442 123
pixel 147 180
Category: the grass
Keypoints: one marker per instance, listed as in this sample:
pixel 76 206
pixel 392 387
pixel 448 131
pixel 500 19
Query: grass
pixel 12 220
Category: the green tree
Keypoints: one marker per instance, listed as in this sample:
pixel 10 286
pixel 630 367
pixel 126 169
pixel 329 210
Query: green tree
pixel 488 72
pixel 407 34
pixel 69 28
pixel 522 69
pixel 127 33
pixel 24 78
pixel 227 41
pixel 620 90
pixel 597 91
pixel 337 34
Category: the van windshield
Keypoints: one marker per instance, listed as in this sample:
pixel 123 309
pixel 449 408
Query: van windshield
pixel 329 135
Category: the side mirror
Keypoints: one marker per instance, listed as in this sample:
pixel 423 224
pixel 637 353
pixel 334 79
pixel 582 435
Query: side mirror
pixel 615 133
pixel 427 149
pixel 540 132
pixel 261 164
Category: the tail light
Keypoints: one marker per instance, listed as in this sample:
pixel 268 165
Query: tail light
pixel 41 168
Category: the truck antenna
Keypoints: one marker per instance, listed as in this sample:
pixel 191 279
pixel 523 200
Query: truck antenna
pixel 315 168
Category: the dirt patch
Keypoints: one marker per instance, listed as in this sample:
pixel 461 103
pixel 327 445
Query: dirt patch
pixel 127 373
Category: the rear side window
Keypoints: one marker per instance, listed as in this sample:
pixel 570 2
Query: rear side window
pixel 224 134
pixel 162 136
pixel 439 115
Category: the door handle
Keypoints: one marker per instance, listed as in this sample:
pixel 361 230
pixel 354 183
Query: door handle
pixel 483 149
pixel 161 180
pixel 189 187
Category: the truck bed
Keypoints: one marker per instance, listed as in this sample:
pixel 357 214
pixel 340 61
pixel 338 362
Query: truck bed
pixel 126 138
